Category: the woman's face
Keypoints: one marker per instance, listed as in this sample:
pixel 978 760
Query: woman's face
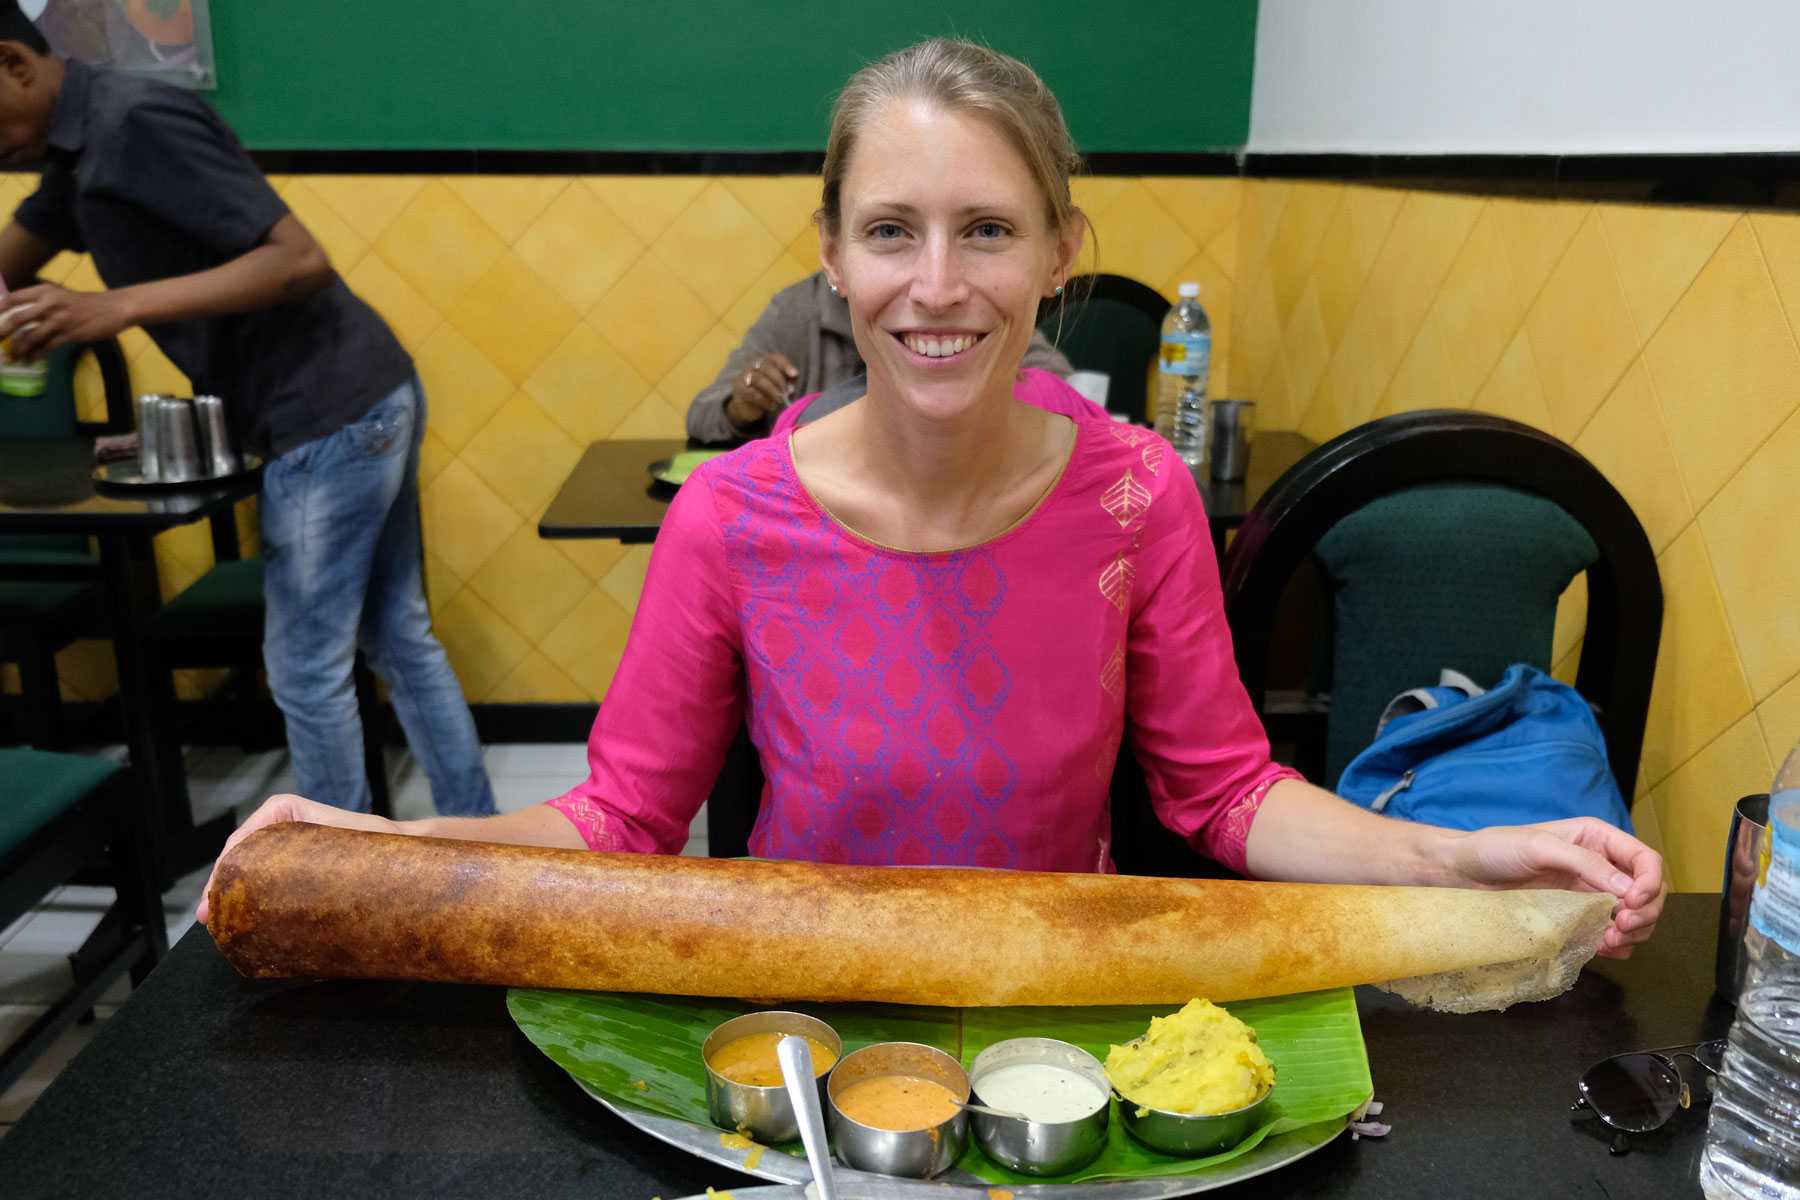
pixel 942 254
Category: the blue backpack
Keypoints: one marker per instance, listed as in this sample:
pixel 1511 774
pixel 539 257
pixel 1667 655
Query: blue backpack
pixel 1526 750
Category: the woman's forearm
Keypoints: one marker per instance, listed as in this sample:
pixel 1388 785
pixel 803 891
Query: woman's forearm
pixel 539 825
pixel 1304 833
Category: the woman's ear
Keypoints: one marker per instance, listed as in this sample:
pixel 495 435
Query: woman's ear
pixel 1068 249
pixel 828 259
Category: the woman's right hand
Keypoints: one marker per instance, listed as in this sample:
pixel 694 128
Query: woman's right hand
pixel 761 389
pixel 277 809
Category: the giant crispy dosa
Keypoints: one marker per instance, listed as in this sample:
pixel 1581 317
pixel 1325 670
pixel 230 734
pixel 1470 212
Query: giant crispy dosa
pixel 307 901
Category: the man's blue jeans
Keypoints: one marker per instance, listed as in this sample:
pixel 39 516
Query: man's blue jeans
pixel 341 552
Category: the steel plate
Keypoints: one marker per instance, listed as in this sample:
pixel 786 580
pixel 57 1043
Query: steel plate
pixel 702 1141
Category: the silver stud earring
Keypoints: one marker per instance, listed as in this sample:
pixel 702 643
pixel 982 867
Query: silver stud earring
pixel 1059 289
pixel 834 290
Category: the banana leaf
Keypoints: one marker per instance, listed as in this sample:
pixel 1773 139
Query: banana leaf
pixel 684 464
pixel 643 1052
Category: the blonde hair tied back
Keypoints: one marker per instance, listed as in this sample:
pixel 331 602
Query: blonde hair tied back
pixel 958 76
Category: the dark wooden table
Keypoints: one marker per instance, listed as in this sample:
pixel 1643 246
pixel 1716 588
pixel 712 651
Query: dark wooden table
pixel 47 486
pixel 610 494
pixel 207 1084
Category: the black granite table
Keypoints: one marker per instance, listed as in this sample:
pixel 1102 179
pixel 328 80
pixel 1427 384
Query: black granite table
pixel 609 493
pixel 206 1084
pixel 47 486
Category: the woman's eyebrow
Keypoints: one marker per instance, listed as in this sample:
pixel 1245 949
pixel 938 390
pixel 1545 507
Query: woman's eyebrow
pixel 901 208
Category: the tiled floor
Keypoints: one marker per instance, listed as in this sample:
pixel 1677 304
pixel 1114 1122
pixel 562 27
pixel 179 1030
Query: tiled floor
pixel 34 951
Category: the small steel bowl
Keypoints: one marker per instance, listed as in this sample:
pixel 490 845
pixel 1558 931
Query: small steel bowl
pixel 1040 1147
pixel 1190 1135
pixel 914 1153
pixel 764 1113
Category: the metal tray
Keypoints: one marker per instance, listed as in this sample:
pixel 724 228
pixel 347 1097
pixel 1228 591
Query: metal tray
pixel 702 1141
pixel 128 474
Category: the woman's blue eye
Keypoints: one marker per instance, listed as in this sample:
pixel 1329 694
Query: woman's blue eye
pixel 887 231
pixel 990 229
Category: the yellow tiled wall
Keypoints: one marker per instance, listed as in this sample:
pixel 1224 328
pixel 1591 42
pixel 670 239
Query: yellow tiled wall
pixel 1660 341
pixel 548 312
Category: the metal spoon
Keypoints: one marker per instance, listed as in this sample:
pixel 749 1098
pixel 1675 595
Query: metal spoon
pixel 803 1093
pixel 992 1112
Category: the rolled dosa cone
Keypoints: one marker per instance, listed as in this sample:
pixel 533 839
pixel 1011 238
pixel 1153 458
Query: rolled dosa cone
pixel 308 901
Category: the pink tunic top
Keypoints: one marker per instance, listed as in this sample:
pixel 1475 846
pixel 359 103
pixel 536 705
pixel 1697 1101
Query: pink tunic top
pixel 962 707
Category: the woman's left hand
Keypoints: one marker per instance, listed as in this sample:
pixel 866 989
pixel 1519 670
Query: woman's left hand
pixel 1582 854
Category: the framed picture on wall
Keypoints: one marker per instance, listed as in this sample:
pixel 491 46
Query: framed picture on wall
pixel 171 39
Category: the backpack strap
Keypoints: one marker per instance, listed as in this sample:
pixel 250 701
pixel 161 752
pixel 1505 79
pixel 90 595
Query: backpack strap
pixel 1400 785
pixel 1419 699
pixel 1450 677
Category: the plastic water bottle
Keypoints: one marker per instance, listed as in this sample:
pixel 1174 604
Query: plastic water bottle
pixel 1186 361
pixel 1753 1131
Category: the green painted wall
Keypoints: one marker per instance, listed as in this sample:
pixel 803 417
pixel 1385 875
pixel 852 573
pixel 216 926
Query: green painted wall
pixel 731 75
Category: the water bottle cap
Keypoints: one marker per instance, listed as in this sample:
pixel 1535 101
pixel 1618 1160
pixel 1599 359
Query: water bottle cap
pixel 1188 291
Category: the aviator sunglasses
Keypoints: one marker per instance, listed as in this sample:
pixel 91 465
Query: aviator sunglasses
pixel 1641 1091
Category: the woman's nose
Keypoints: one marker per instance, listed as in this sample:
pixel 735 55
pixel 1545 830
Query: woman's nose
pixel 939 282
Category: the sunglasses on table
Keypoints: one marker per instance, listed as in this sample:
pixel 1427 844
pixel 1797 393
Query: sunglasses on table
pixel 1642 1091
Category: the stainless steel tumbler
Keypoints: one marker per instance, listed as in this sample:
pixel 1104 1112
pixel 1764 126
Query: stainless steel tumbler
pixel 178 453
pixel 1743 863
pixel 149 426
pixel 216 455
pixel 1229 438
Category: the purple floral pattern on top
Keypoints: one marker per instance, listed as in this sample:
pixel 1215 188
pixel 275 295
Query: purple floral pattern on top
pixel 873 687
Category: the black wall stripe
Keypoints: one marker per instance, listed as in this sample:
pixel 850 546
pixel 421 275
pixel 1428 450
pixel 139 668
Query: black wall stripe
pixel 1728 180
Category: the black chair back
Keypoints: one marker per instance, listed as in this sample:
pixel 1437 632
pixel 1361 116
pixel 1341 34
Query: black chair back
pixel 1113 325
pixel 52 414
pixel 1624 621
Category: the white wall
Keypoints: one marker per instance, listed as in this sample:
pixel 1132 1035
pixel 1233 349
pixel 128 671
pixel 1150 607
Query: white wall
pixel 1526 76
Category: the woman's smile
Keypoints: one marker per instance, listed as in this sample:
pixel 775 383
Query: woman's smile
pixel 940 345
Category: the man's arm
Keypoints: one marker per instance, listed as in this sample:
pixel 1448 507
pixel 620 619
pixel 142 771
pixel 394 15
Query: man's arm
pixel 286 264
pixel 778 341
pixel 22 254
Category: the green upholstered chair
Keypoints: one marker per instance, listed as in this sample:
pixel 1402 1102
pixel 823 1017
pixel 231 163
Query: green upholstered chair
pixel 1445 575
pixel 37 619
pixel 1113 325
pixel 60 813
pixel 40 615
pixel 1445 539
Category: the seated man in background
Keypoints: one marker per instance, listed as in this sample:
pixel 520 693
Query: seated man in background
pixel 801 344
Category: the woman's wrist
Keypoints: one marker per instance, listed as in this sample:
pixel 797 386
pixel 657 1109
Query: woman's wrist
pixel 1436 856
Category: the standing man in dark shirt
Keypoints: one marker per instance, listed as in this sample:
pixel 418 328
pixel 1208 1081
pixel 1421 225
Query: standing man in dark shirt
pixel 196 247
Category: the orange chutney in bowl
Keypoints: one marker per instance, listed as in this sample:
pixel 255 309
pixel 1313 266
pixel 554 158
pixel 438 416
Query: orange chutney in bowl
pixel 751 1059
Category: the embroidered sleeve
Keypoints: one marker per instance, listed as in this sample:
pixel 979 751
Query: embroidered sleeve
pixel 1227 839
pixel 589 820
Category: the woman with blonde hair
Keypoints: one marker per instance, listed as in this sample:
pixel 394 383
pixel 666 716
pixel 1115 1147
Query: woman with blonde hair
pixel 941 609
